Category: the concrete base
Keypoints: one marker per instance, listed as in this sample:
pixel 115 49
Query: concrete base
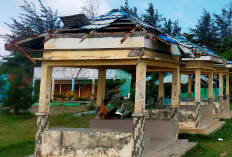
pixel 176 149
pixel 227 115
pixel 206 127
pixel 226 112
pixel 159 134
pixel 76 142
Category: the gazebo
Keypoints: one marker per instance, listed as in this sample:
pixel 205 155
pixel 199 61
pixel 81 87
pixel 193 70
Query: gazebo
pixel 116 40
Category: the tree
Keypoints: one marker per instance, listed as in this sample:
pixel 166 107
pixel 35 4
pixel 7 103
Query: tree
pixel 205 31
pixel 126 8
pixel 176 28
pixel 171 28
pixel 224 48
pixel 152 17
pixel 224 22
pixel 90 8
pixel 19 96
pixel 32 22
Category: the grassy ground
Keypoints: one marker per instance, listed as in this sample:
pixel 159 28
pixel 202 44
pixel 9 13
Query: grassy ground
pixel 209 146
pixel 17 133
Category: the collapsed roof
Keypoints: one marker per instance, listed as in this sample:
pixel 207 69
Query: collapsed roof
pixel 111 24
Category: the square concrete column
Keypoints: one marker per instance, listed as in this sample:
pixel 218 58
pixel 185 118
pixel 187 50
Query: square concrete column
pixel 138 117
pixel 210 93
pixel 175 97
pixel 189 87
pixel 93 90
pixel 220 97
pixel 227 87
pixel 161 89
pixel 43 110
pixel 100 91
pixel 175 88
pixel 198 96
pixel 53 89
pixel 220 84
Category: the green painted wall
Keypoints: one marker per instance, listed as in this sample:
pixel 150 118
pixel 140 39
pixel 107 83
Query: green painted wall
pixel 125 88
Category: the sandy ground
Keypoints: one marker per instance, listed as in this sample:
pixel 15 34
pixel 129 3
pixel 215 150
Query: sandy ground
pixel 61 109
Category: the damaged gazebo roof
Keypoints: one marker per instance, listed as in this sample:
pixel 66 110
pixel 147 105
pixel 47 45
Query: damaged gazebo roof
pixel 110 25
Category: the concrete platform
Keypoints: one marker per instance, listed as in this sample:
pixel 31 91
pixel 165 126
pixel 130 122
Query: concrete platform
pixel 206 127
pixel 176 149
pixel 227 115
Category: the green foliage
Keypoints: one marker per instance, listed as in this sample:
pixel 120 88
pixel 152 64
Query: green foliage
pixel 224 22
pixel 126 8
pixel 205 30
pixel 152 16
pixel 19 96
pixel 90 107
pixel 171 28
pixel 82 99
pixel 224 48
pixel 32 21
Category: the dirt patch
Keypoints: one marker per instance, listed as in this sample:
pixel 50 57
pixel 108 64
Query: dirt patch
pixel 224 154
pixel 61 109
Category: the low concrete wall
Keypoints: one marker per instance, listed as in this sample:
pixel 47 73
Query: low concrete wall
pixel 86 143
pixel 226 106
pixel 157 129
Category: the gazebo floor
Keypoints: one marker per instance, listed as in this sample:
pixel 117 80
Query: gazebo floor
pixel 206 127
pixel 174 148
pixel 227 115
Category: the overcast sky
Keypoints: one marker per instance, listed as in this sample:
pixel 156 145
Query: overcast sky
pixel 186 11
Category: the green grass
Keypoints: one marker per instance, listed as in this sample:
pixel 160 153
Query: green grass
pixel 17 132
pixel 208 145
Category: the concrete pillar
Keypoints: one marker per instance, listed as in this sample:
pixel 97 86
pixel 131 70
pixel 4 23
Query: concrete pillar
pixel 220 84
pixel 45 88
pixel 175 97
pixel 189 87
pixel 43 110
pixel 220 97
pixel 198 96
pixel 53 89
pixel 161 89
pixel 227 87
pixel 175 88
pixel 100 91
pixel 210 94
pixel 93 90
pixel 138 116
pixel 198 85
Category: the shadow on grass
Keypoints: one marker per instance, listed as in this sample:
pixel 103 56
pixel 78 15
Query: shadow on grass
pixel 18 150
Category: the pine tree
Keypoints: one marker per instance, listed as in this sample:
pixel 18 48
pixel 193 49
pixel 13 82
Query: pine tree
pixel 32 21
pixel 171 28
pixel 224 22
pixel 205 30
pixel 126 8
pixel 176 28
pixel 152 17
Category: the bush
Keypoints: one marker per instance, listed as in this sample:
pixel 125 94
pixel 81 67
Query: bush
pixel 82 99
pixel 90 107
pixel 19 96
